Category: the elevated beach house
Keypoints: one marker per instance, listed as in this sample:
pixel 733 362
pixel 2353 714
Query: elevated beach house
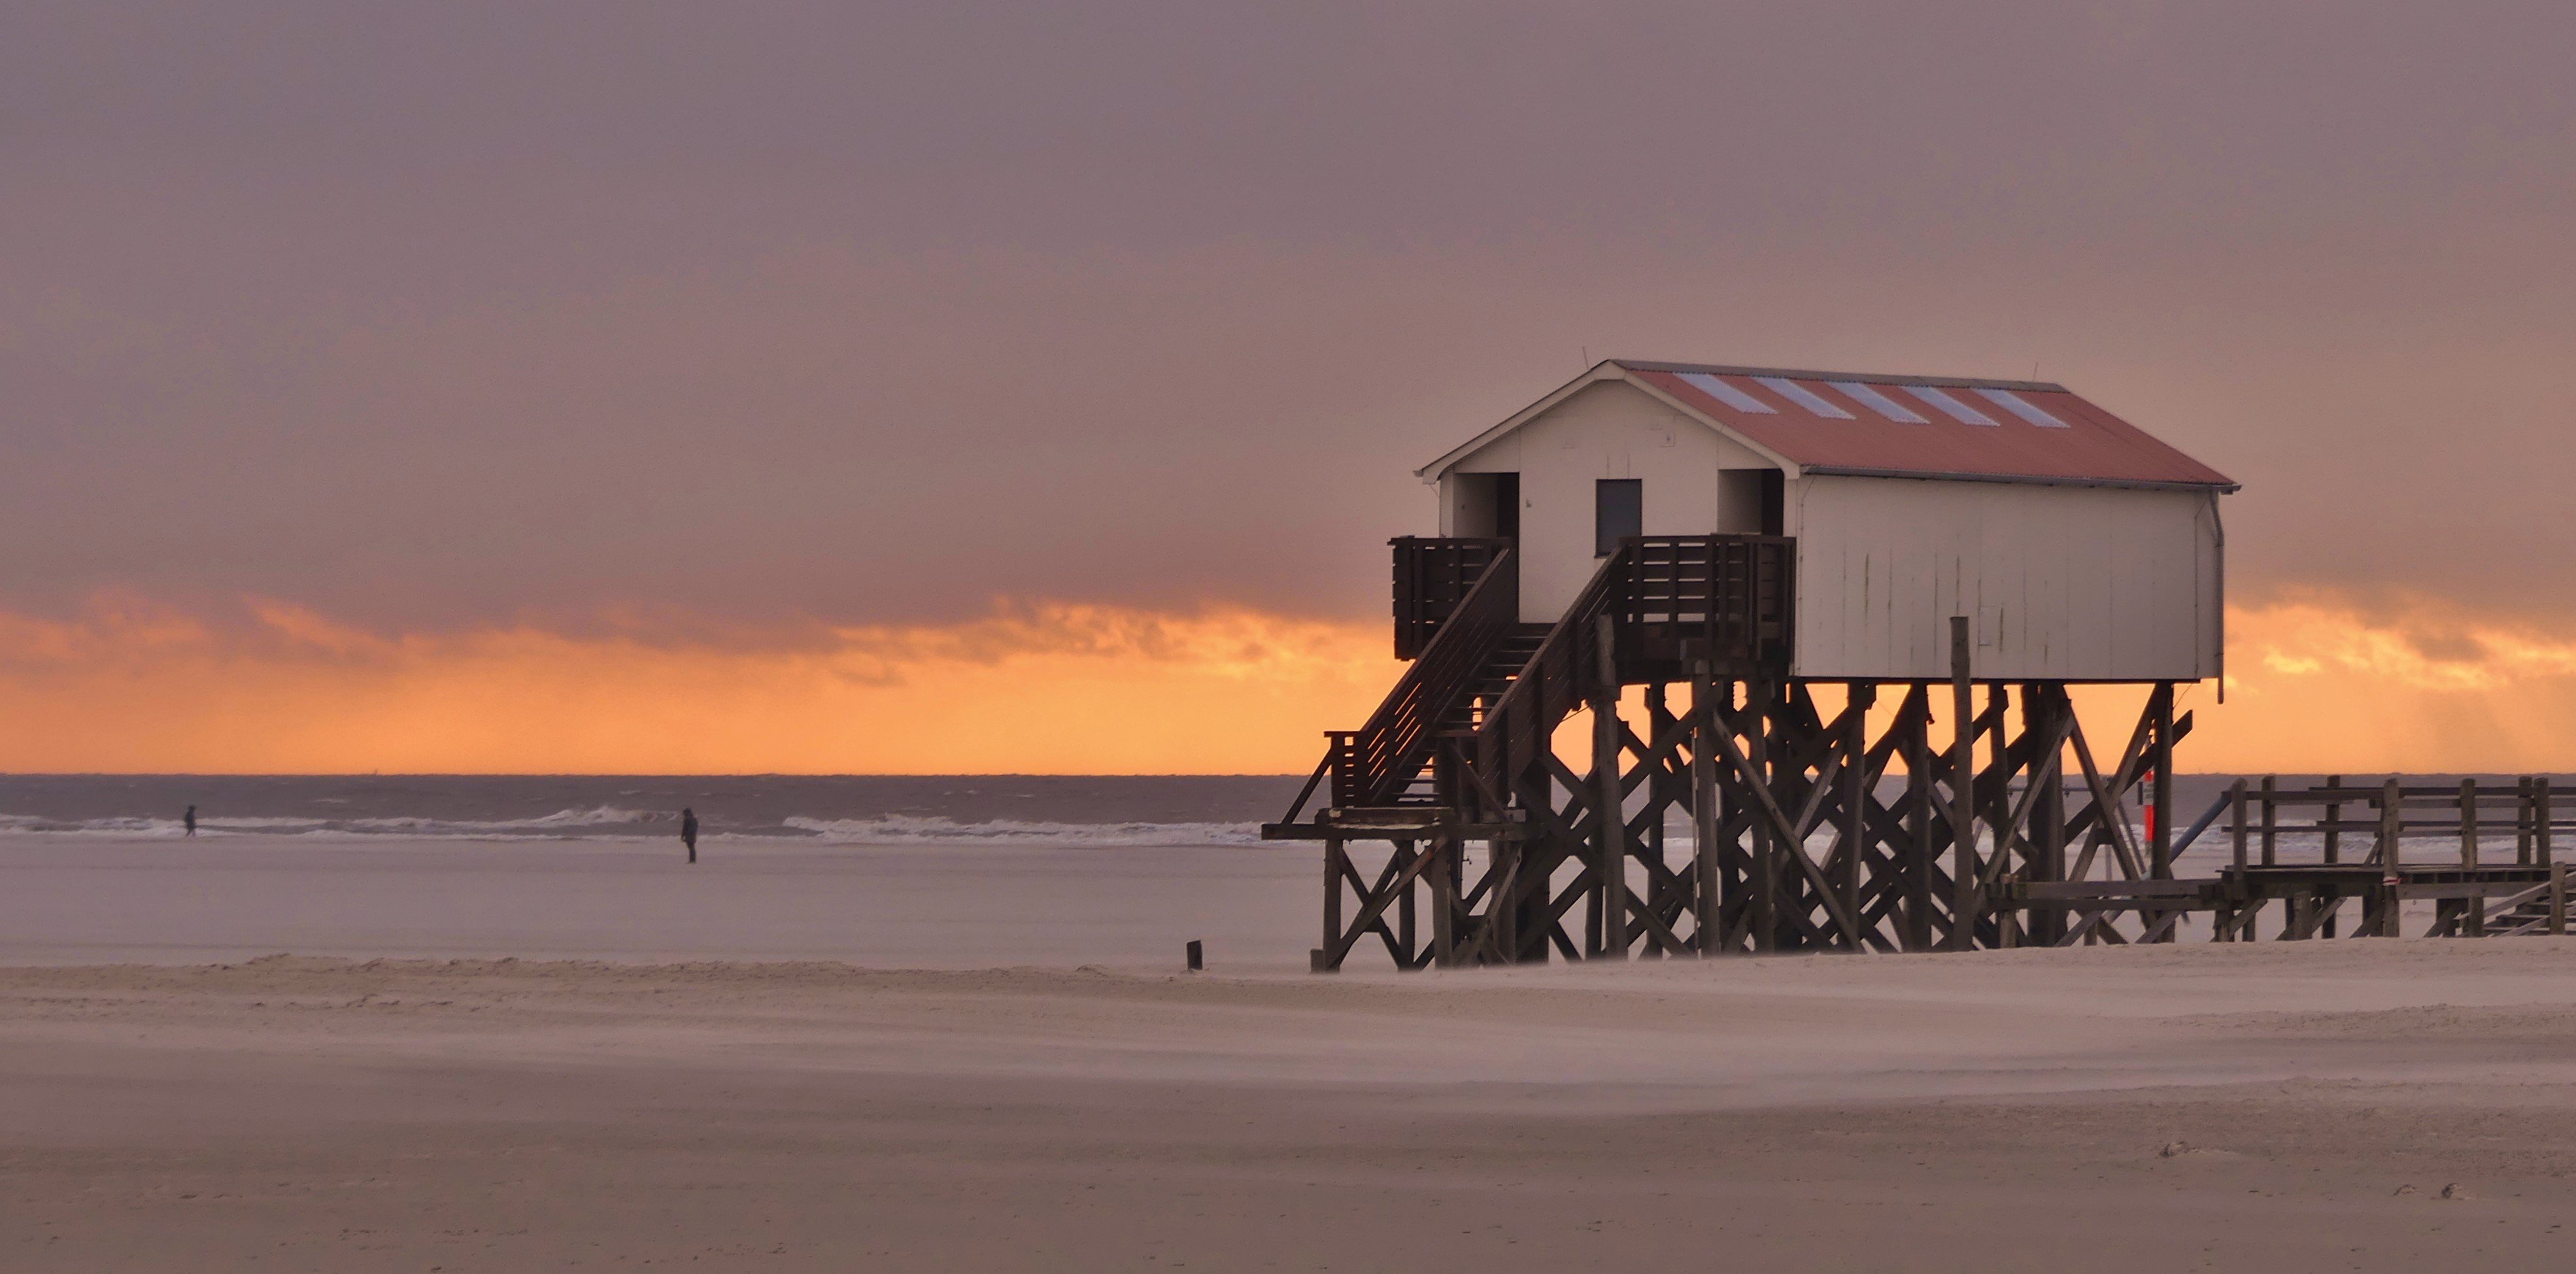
pixel 1748 535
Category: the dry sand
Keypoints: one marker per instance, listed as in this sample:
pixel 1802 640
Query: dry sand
pixel 2285 1107
pixel 169 1103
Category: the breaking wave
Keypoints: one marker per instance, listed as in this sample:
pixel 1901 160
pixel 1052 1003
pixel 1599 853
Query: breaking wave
pixel 560 823
pixel 898 829
pixel 611 821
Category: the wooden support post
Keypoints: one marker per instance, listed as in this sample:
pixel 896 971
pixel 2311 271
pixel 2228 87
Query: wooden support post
pixel 1444 899
pixel 1405 934
pixel 1963 792
pixel 2558 900
pixel 2522 821
pixel 1502 906
pixel 2469 824
pixel 2225 929
pixel 2271 821
pixel 1918 794
pixel 1711 911
pixel 2392 831
pixel 2236 821
pixel 2160 702
pixel 2048 926
pixel 2540 818
pixel 1612 820
pixel 1327 957
pixel 1661 882
pixel 2332 904
pixel 1855 829
pixel 1764 912
pixel 2473 916
pixel 2334 820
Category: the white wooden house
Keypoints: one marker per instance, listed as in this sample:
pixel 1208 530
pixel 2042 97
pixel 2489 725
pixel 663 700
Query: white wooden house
pixel 2082 548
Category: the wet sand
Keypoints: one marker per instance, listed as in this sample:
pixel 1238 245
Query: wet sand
pixel 88 899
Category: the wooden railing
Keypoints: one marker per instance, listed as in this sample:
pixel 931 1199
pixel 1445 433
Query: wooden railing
pixel 1728 599
pixel 1516 728
pixel 1373 765
pixel 1432 576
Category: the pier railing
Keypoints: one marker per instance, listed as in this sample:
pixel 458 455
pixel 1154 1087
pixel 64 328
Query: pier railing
pixel 2482 853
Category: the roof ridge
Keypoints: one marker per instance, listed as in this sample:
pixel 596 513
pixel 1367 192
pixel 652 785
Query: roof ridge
pixel 1864 378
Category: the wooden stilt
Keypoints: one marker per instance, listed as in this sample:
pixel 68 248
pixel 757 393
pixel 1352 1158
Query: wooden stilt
pixel 2392 831
pixel 1963 794
pixel 2334 823
pixel 1444 900
pixel 1327 957
pixel 1611 823
pixel 1919 853
pixel 1765 882
pixel 1854 846
pixel 2271 822
pixel 2473 917
pixel 2540 819
pixel 1706 859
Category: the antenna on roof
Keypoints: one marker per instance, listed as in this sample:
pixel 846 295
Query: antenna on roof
pixel 1587 354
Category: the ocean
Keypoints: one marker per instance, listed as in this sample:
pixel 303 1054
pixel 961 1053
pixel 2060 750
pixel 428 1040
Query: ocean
pixel 851 809
pixel 1019 810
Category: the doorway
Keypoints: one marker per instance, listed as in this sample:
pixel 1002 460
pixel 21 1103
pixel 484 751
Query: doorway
pixel 1489 505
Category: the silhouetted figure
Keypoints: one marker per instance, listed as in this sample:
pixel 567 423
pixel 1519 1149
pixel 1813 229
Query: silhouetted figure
pixel 192 820
pixel 689 832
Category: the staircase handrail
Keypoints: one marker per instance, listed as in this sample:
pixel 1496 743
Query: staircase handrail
pixel 1373 763
pixel 1729 597
pixel 1517 726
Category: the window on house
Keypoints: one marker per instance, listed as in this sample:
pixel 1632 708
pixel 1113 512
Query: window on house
pixel 1618 511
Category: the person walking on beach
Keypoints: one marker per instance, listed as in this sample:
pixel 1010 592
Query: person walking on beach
pixel 689 831
pixel 192 820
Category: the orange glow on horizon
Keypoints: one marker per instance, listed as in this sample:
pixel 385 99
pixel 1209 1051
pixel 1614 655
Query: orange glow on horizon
pixel 1049 688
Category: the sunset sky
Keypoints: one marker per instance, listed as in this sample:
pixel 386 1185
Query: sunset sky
pixel 966 387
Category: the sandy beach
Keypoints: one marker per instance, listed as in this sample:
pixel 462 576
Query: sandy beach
pixel 2330 1106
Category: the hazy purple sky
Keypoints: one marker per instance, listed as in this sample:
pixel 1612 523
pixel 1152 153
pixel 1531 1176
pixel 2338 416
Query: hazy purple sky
pixel 445 314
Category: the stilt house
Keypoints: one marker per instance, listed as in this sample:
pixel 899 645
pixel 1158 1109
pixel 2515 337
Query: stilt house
pixel 1751 532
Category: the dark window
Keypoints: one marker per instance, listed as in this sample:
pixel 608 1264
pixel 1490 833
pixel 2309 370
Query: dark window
pixel 1618 511
pixel 1775 501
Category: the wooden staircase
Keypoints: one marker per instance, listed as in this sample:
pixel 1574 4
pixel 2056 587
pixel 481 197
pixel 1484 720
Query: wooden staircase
pixel 1486 690
pixel 1502 665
